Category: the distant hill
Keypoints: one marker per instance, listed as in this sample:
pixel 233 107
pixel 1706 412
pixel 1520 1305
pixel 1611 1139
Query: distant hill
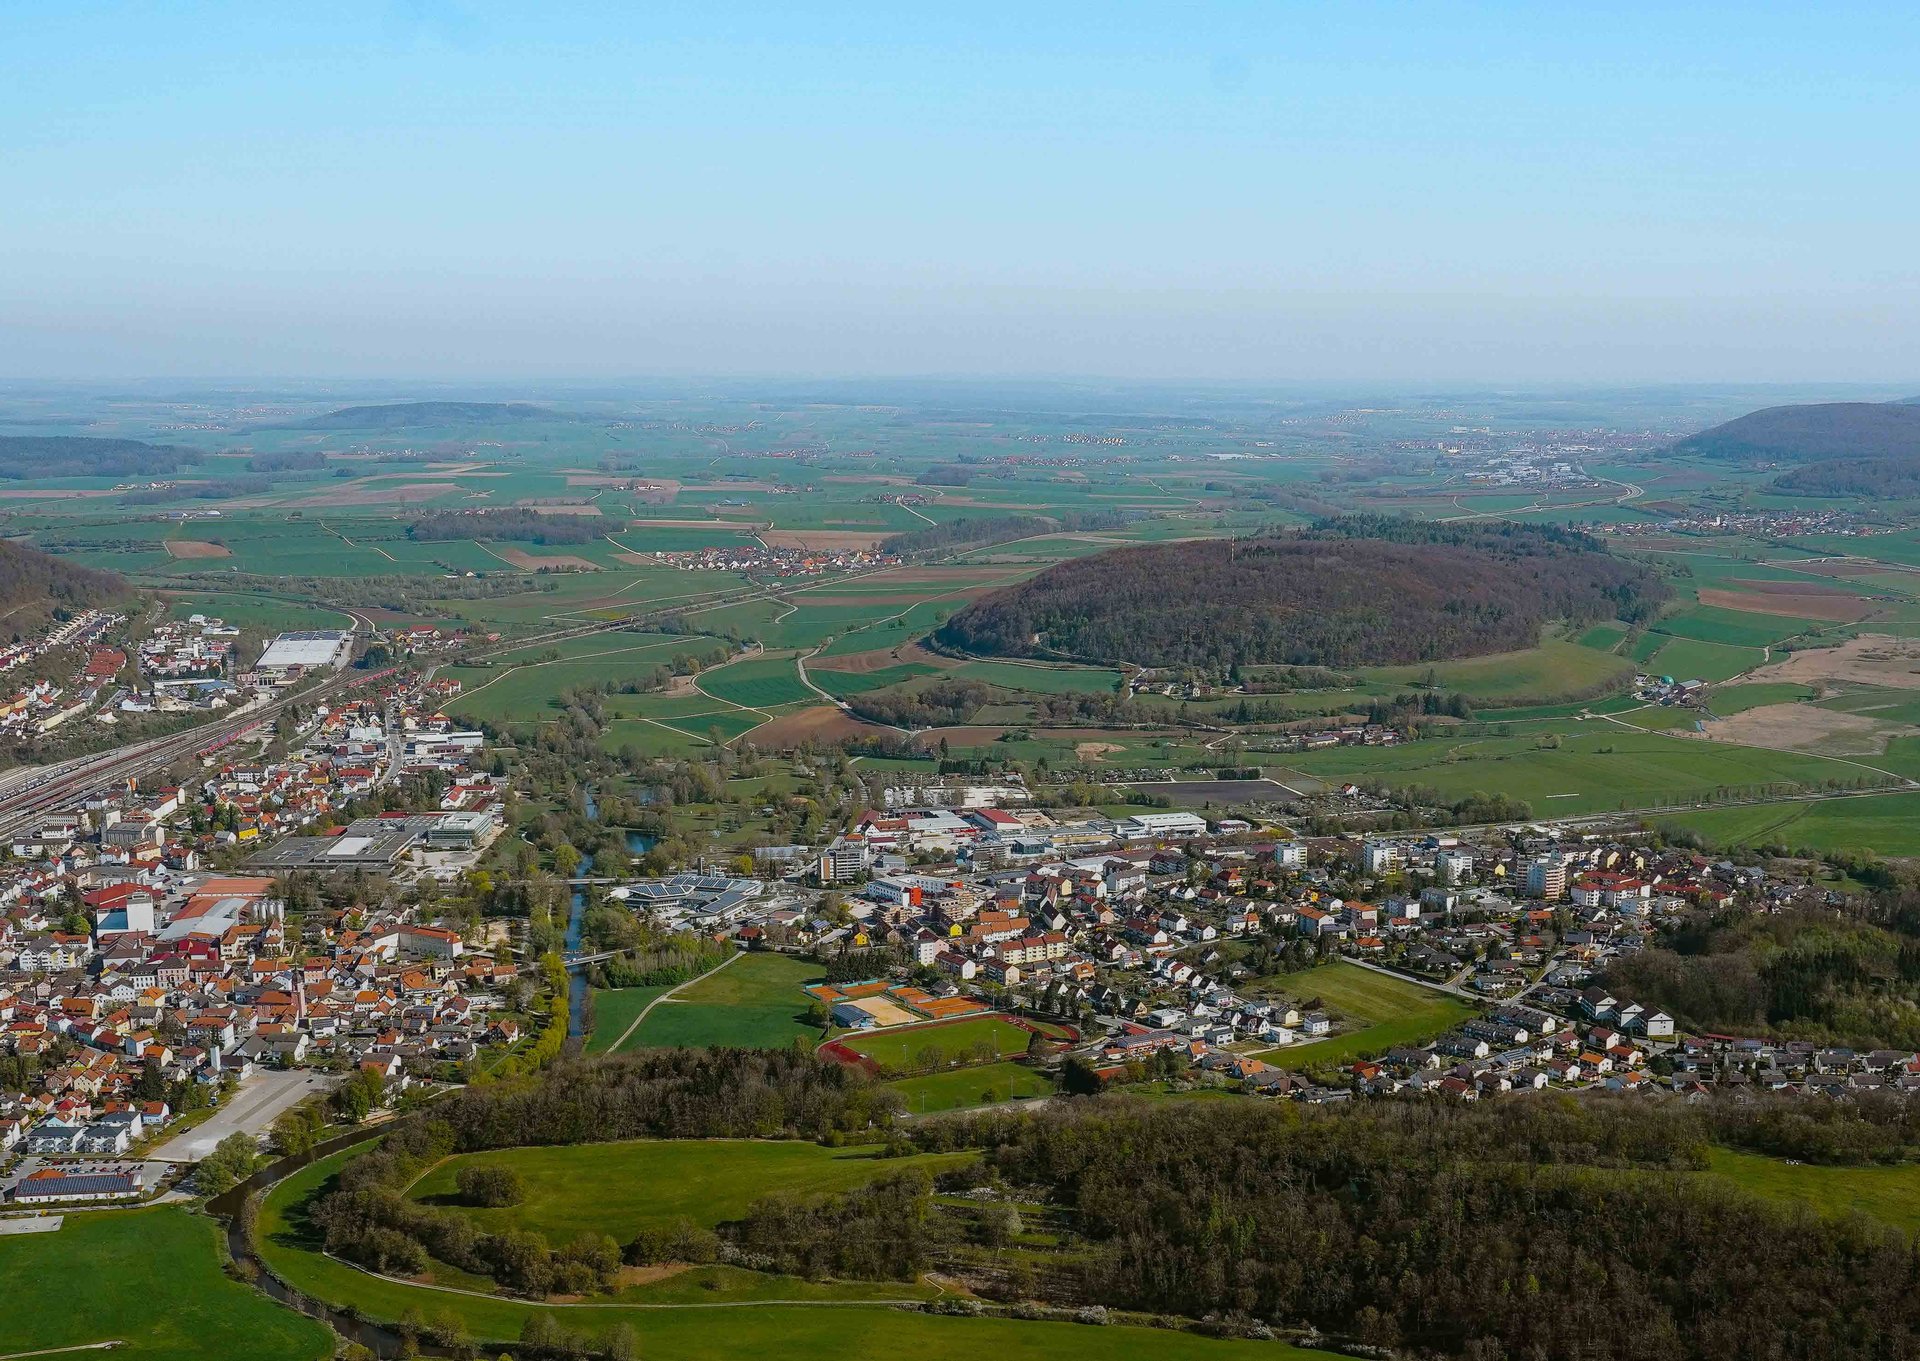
pixel 1808 434
pixel 1356 591
pixel 83 456
pixel 413 415
pixel 34 583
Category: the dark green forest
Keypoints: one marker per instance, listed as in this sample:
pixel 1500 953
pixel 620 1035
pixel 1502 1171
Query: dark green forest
pixel 84 456
pixel 1834 978
pixel 1534 1227
pixel 1816 431
pixel 1353 591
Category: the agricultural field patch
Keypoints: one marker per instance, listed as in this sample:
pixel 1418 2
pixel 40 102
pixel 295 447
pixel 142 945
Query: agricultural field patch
pixel 845 683
pixel 1738 628
pixel 821 724
pixel 1043 680
pixel 1598 768
pixel 1889 1194
pixel 1555 670
pixel 1876 659
pixel 756 682
pixel 1808 727
pixel 1881 824
pixel 1691 659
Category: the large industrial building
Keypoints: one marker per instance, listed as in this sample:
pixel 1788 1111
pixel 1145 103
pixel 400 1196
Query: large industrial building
pixel 295 654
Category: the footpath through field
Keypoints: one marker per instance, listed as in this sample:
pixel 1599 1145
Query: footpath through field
pixel 634 1025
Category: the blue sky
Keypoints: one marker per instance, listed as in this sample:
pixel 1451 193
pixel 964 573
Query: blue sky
pixel 1245 192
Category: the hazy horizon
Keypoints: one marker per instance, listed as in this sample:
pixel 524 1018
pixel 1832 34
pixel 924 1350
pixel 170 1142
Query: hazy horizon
pixel 1363 196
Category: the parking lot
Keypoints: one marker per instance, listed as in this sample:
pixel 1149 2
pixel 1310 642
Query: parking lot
pixel 250 1110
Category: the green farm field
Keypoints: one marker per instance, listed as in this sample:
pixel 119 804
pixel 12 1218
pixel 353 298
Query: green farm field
pixel 1694 659
pixel 502 694
pixel 149 1278
pixel 756 683
pixel 1390 1011
pixel 1729 700
pixel 1043 680
pixel 1712 624
pixel 1597 768
pixel 1885 824
pixel 1555 670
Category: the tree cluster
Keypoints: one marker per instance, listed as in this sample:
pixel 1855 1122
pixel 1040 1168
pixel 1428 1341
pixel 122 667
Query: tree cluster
pixel 1357 591
pixel 1528 1227
pixel 513 522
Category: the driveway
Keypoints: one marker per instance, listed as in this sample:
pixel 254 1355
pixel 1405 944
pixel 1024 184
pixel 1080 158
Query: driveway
pixel 250 1110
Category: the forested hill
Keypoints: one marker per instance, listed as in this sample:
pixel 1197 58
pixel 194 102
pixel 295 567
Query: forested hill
pixel 414 415
pixel 85 456
pixel 1355 591
pixel 1815 433
pixel 33 584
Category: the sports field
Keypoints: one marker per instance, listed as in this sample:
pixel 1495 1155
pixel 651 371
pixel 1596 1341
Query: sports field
pixel 150 1278
pixel 904 1049
pixel 1389 1011
pixel 961 1088
pixel 755 1002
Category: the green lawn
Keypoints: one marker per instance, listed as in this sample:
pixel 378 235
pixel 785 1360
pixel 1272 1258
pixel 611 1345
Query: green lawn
pixel 720 1334
pixel 755 1002
pixel 613 1011
pixel 622 1188
pixel 901 1048
pixel 1389 1011
pixel 150 1278
pixel 1887 1193
pixel 960 1088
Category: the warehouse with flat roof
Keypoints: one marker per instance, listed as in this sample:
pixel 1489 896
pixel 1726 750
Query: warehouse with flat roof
pixel 308 650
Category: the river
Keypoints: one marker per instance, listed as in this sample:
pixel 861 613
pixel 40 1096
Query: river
pixel 639 843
